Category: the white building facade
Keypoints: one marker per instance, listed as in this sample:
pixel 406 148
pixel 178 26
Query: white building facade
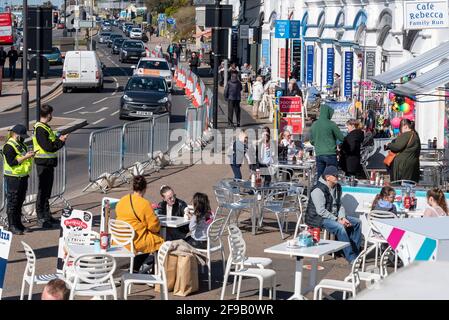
pixel 356 39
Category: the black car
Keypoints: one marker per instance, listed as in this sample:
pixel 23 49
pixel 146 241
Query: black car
pixel 111 39
pixel 116 45
pixel 145 96
pixel 131 49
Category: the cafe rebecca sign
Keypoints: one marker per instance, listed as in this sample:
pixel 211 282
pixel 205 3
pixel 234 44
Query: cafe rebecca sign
pixel 425 14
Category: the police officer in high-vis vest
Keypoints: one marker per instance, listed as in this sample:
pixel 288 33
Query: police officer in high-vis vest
pixel 17 164
pixel 46 144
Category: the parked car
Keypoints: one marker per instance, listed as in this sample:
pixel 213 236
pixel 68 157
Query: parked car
pixel 158 67
pixel 111 39
pixel 145 96
pixel 82 69
pixel 135 33
pixel 55 56
pixel 104 36
pixel 117 44
pixel 131 49
pixel 105 27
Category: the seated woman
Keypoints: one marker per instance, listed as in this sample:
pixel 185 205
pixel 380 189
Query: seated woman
pixel 437 203
pixel 137 211
pixel 384 201
pixel 293 149
pixel 199 221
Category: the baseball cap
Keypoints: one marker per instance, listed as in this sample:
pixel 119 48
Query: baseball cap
pixel 331 171
pixel 20 130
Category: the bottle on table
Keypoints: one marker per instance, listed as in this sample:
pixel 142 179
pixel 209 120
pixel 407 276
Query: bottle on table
pixel 377 182
pixel 429 144
pixel 381 182
pixel 253 179
pixel 407 200
pixel 372 179
pixel 434 144
pixel 258 178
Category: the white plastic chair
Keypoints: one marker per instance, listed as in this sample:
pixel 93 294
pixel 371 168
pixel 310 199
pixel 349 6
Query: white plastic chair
pixel 214 244
pixel 93 276
pixel 302 204
pixel 83 238
pixel 122 235
pixel 29 275
pixel 350 284
pixel 250 262
pixel 375 237
pixel 160 278
pixel 237 257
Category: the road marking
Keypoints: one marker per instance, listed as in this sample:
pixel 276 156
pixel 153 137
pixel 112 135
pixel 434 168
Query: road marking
pixel 98 111
pixel 75 110
pixel 114 113
pixel 98 121
pixel 101 100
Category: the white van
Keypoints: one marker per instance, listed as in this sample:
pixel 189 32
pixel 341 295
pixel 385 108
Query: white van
pixel 82 69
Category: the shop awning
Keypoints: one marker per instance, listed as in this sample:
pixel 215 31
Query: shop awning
pixel 427 58
pixel 425 83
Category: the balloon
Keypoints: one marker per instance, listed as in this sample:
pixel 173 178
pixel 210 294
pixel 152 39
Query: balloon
pixel 358 104
pixel 405 107
pixel 391 96
pixel 409 116
pixel 395 107
pixel 395 122
pixel 396 131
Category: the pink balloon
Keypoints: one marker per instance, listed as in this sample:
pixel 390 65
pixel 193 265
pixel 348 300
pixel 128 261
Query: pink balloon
pixel 391 96
pixel 395 122
pixel 410 116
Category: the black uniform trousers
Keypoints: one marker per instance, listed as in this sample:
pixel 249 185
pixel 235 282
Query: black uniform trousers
pixel 16 189
pixel 46 176
pixel 233 106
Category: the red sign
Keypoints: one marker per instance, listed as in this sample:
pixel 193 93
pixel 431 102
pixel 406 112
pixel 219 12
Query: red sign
pixel 75 223
pixel 282 63
pixel 290 104
pixel 292 124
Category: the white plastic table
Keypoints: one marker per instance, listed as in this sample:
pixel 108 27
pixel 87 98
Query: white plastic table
pixel 77 250
pixel 323 248
pixel 171 222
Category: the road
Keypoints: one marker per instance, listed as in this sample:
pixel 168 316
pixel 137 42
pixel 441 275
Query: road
pixel 99 109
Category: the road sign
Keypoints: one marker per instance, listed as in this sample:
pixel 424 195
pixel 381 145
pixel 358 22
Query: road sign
pixel 86 24
pixel 282 29
pixel 295 28
pixel 244 31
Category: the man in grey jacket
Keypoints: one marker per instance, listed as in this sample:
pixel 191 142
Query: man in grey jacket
pixel 325 211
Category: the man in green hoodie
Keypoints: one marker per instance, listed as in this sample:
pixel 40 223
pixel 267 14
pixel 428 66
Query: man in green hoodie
pixel 324 136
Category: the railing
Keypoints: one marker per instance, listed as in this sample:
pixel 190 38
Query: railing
pixel 58 190
pixel 113 151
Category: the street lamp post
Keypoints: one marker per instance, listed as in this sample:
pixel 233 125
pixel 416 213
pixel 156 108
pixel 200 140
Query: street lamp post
pixel 64 31
pixel 216 61
pixel 25 93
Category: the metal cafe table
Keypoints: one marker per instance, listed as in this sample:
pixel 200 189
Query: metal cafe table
pixel 307 167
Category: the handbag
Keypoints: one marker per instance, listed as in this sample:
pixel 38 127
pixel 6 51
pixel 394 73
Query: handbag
pixel 391 155
pixel 250 100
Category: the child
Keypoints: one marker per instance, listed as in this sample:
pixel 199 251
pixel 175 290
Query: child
pixel 437 203
pixel 384 201
pixel 200 220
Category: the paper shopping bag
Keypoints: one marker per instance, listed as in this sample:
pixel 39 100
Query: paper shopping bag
pixel 170 271
pixel 186 276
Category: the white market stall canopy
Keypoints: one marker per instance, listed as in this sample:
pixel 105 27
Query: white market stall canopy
pixel 425 83
pixel 427 58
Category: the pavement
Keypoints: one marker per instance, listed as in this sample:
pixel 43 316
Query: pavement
pixel 186 179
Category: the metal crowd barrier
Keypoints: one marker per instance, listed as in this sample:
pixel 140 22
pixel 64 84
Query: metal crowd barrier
pixel 58 190
pixel 161 134
pixel 137 142
pixel 105 154
pixel 113 151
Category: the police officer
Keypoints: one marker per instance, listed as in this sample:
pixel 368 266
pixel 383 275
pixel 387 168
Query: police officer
pixel 17 164
pixel 46 144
